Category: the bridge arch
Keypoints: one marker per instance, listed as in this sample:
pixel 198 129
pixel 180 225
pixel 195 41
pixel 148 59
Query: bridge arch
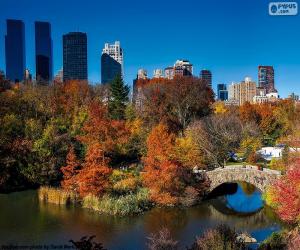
pixel 261 179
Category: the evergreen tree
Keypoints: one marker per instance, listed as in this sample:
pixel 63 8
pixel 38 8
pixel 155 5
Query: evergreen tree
pixel 118 98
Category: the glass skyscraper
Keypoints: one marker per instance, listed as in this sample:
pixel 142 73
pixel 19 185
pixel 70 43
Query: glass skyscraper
pixel 222 92
pixel 43 52
pixel 110 68
pixel 206 76
pixel 111 62
pixel 75 56
pixel 15 50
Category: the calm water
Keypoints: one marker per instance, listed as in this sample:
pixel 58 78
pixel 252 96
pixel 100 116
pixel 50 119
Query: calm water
pixel 24 220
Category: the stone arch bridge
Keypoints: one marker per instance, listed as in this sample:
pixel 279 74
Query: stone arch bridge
pixel 250 174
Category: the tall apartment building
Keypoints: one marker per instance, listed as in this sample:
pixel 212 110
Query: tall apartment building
pixel 142 74
pixel 222 92
pixel 15 57
pixel 266 78
pixel 180 68
pixel 111 62
pixel 242 92
pixel 75 56
pixel 158 73
pixel 43 52
pixel 206 76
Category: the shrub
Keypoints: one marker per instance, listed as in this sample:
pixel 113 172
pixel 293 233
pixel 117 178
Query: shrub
pixel 128 185
pixel 162 241
pixel 276 241
pixel 118 205
pixel 57 196
pixel 223 237
pixel 278 164
pixel 190 197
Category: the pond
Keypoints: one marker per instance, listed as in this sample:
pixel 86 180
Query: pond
pixel 25 221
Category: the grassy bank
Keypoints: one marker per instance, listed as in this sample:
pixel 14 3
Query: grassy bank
pixel 119 205
pixel 132 203
pixel 57 196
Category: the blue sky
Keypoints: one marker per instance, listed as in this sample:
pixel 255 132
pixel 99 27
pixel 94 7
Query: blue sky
pixel 231 38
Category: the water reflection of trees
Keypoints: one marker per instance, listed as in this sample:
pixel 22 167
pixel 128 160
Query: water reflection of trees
pixel 174 219
pixel 79 222
pixel 248 188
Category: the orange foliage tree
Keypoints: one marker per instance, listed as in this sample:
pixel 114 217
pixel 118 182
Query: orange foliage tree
pixel 70 171
pixel 100 135
pixel 94 176
pixel 163 175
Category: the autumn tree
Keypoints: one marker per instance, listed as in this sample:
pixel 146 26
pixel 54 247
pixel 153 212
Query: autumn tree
pixel 93 178
pixel 176 102
pixel 102 137
pixel 219 107
pixel 216 136
pixel 70 171
pixel 286 195
pixel 99 128
pixel 118 98
pixel 164 176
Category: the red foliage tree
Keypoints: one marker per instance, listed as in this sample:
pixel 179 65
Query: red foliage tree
pixel 287 196
pixel 70 171
pixel 100 129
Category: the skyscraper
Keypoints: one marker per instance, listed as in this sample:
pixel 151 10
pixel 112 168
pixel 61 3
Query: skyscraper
pixel 242 92
pixel 206 76
pixel 43 52
pixel 222 92
pixel 75 56
pixel 15 50
pixel 266 78
pixel 111 62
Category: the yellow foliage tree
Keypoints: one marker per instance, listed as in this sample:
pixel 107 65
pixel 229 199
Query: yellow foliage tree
pixel 220 108
pixel 187 152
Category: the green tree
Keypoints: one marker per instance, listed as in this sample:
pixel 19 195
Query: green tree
pixel 118 98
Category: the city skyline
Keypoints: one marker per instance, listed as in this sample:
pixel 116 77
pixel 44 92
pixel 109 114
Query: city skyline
pixel 227 50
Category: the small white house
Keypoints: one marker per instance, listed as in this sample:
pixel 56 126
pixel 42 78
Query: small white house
pixel 268 153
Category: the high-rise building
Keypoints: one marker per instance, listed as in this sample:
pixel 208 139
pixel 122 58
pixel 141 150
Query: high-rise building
pixel 158 73
pixel 111 62
pixel 206 76
pixel 43 52
pixel 75 56
pixel 266 78
pixel 222 92
pixel 180 68
pixel 15 50
pixel 242 92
